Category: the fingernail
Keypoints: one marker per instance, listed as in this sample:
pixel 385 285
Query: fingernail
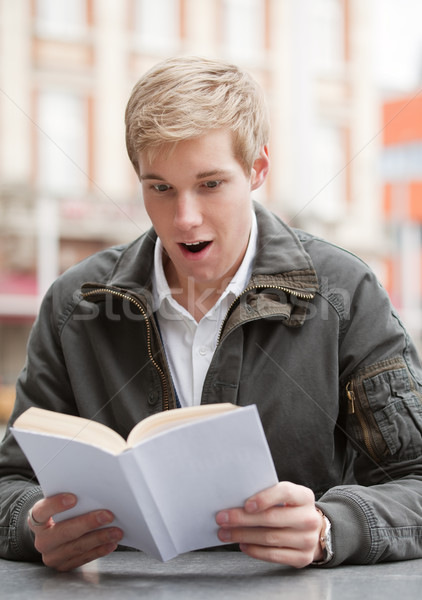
pixel 115 535
pixel 104 517
pixel 222 517
pixel 225 535
pixel 251 506
pixel 68 500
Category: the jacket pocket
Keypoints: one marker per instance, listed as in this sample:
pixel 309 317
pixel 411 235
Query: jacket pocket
pixel 385 411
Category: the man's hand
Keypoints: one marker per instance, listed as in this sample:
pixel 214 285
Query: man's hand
pixel 280 524
pixel 74 542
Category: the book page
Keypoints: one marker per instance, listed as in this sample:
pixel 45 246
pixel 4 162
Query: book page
pixel 72 427
pixel 200 468
pixel 97 479
pixel 97 434
pixel 173 418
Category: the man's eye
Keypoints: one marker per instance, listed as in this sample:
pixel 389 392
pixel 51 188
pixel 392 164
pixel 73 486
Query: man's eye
pixel 212 184
pixel 161 187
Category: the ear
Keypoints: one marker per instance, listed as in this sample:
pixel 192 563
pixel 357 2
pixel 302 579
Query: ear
pixel 260 168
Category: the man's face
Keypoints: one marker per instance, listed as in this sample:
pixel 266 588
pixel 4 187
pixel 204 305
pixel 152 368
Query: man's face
pixel 198 198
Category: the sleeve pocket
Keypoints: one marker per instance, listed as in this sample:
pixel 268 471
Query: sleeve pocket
pixel 397 409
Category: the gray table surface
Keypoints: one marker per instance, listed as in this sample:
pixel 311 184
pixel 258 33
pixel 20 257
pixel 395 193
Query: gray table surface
pixel 208 575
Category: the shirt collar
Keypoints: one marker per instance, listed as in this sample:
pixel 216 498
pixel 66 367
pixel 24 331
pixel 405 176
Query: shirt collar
pixel 161 290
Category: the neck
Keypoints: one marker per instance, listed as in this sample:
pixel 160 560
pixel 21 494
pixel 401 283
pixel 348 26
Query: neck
pixel 195 297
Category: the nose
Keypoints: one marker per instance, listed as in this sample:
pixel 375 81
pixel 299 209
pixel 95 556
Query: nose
pixel 187 212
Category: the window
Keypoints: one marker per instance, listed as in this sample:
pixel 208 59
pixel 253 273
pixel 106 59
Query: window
pixel 401 162
pixel 157 24
pixel 327 28
pixel 62 143
pixel 244 28
pixel 329 180
pixel 61 18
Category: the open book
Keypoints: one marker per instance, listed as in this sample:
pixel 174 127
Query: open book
pixel 166 483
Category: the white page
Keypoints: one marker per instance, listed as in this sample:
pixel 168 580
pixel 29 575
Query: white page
pixel 195 471
pixel 164 548
pixel 95 477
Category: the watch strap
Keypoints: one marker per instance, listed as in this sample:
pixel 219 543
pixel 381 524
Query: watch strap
pixel 325 540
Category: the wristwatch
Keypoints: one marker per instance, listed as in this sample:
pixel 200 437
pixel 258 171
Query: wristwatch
pixel 325 540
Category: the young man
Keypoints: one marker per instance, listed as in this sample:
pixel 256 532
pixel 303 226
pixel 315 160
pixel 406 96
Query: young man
pixel 222 302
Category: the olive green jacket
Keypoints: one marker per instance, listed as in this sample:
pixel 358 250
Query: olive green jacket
pixel 313 341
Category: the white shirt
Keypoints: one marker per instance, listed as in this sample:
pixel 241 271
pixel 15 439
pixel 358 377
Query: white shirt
pixel 190 345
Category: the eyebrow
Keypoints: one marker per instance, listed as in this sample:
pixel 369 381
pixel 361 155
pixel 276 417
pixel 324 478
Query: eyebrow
pixel 151 176
pixel 201 175
pixel 213 173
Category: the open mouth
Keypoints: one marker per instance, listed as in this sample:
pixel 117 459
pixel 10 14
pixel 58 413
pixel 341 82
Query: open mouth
pixel 195 246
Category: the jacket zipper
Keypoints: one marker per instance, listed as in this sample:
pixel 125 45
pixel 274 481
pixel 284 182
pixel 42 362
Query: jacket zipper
pixel 355 409
pixel 301 295
pixel 121 295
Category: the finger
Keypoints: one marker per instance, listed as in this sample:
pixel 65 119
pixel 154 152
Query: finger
pixel 271 537
pixel 284 556
pixel 56 535
pixel 44 509
pixel 284 493
pixel 296 517
pixel 79 561
pixel 72 529
pixel 84 549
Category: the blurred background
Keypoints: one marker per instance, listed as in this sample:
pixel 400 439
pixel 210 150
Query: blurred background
pixel 344 85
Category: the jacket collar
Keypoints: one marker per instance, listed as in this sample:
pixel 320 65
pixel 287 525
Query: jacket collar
pixel 281 259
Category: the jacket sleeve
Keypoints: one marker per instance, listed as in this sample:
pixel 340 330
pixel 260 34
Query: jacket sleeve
pixel 43 382
pixel 379 516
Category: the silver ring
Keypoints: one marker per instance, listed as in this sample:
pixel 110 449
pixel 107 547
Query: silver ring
pixel 33 521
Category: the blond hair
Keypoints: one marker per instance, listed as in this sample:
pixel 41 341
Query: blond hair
pixel 182 98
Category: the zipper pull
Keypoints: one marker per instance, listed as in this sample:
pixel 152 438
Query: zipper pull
pixel 351 398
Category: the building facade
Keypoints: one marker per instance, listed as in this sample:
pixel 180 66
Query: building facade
pixel 66 70
pixel 402 187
